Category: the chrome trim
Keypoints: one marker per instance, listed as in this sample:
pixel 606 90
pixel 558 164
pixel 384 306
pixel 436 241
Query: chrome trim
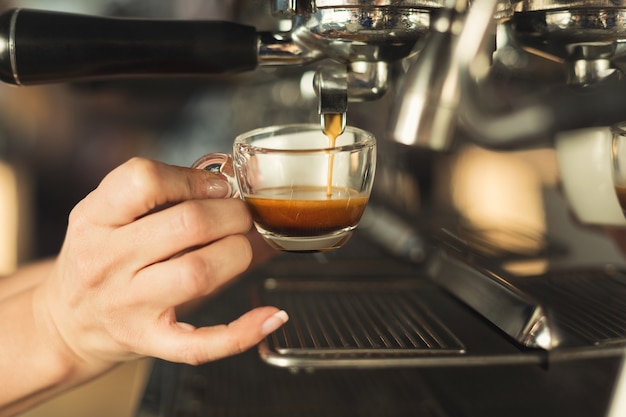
pixel 279 49
pixel 381 3
pixel 544 5
pixel 11 45
pixel 513 311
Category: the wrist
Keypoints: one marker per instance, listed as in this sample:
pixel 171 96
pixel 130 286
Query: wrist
pixel 38 360
pixel 62 346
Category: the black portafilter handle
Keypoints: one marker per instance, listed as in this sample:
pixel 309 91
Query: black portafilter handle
pixel 39 47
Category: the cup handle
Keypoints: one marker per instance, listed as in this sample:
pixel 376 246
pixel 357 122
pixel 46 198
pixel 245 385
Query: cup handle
pixel 220 164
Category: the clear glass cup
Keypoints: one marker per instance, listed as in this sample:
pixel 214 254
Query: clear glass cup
pixel 586 171
pixel 618 159
pixel 305 193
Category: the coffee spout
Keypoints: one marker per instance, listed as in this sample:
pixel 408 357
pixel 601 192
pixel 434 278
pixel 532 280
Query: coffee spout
pixel 331 81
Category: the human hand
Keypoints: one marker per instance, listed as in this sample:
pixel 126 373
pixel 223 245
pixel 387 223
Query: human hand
pixel 148 238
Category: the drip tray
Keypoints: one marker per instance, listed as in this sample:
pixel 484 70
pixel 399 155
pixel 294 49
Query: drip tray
pixel 561 310
pixel 353 324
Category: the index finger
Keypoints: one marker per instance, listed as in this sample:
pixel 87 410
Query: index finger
pixel 180 342
pixel 141 185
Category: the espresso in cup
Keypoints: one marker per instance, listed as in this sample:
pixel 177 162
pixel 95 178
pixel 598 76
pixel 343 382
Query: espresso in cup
pixel 306 211
pixel 305 193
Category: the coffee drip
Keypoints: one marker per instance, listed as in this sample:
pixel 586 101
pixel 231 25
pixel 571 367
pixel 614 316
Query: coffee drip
pixel 333 125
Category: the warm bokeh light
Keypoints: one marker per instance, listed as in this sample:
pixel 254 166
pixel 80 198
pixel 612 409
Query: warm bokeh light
pixel 499 196
pixel 9 219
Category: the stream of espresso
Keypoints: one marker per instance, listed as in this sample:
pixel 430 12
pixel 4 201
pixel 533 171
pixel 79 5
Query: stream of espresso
pixel 332 129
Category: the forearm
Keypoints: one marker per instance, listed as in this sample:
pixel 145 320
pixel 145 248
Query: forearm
pixel 34 364
pixel 26 277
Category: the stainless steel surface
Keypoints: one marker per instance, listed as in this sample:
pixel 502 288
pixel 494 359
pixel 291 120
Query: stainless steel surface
pixel 379 3
pixel 557 311
pixel 361 309
pixel 255 390
pixel 359 324
pixel 10 46
pixel 518 315
pixel 368 80
pixel 332 91
pixel 360 32
pixel 584 39
pixel 426 112
pixel 539 5
pixel 280 50
pixel 363 34
pixel 442 94
pixel 284 7
pixel 399 237
pixel 586 304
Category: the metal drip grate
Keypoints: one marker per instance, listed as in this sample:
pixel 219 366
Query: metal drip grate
pixel 556 310
pixel 255 390
pixel 589 304
pixel 354 321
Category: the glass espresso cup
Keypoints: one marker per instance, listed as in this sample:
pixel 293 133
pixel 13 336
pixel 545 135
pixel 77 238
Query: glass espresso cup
pixel 618 162
pixel 305 193
pixel 589 174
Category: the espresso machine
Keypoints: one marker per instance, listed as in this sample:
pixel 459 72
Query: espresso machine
pixel 423 312
pixel 357 44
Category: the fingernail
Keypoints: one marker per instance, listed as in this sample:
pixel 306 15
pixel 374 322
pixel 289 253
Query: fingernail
pixel 218 188
pixel 273 322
